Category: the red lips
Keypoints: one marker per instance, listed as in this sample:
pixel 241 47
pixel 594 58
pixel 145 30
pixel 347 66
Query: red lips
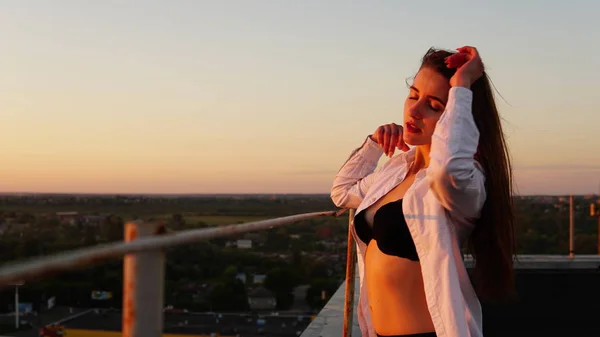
pixel 412 128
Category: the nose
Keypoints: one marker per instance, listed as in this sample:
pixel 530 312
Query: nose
pixel 416 110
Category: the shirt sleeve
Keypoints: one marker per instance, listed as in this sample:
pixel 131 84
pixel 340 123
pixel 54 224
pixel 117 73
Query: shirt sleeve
pixel 455 177
pixel 358 173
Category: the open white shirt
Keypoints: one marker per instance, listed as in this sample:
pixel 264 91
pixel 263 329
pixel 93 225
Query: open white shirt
pixel 439 208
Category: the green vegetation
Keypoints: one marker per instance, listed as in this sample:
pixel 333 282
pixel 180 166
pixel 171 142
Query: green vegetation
pixel 215 275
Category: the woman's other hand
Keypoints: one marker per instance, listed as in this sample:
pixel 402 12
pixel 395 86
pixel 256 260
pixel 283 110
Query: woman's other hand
pixel 389 137
pixel 468 64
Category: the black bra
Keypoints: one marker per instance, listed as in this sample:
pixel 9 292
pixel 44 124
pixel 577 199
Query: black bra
pixel 389 230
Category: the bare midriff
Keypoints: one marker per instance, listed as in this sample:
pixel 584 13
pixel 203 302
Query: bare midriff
pixel 396 294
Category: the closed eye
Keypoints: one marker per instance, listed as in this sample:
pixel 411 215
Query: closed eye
pixel 437 108
pixel 414 92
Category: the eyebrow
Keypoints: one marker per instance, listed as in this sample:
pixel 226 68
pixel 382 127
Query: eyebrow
pixel 432 97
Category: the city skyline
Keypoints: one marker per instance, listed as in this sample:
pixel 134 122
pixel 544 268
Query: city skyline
pixel 229 98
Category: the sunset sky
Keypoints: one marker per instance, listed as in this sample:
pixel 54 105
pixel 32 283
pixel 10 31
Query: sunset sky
pixel 272 96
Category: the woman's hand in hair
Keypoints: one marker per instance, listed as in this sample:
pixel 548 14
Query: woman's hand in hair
pixel 390 137
pixel 469 67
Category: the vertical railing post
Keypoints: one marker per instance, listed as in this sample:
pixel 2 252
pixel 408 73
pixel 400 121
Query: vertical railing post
pixel 17 309
pixel 595 211
pixel 350 280
pixel 598 232
pixel 571 228
pixel 143 285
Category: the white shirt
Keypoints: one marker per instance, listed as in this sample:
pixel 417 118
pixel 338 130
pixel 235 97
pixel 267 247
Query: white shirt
pixel 439 208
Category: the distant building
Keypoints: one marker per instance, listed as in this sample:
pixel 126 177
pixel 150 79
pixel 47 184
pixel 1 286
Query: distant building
pixel 261 299
pixel 241 277
pixel 94 220
pixel 109 322
pixel 67 217
pixel 259 278
pixel 244 244
pixel 257 238
pixel 252 236
pixel 300 298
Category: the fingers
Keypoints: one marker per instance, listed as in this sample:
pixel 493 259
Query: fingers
pixel 386 139
pixel 472 52
pixel 457 60
pixel 464 55
pixel 401 145
pixel 380 134
pixel 468 50
pixel 394 135
pixel 389 137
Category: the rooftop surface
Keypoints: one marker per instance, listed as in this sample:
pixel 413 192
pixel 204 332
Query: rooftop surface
pixel 552 262
pixel 558 296
pixel 330 321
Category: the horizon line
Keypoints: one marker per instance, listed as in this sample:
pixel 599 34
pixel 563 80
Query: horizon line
pixel 3 193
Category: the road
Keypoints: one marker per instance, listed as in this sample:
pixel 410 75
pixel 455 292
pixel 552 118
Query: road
pixel 53 315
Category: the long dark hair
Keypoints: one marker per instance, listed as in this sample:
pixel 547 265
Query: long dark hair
pixel 492 242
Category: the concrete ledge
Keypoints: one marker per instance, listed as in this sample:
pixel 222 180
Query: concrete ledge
pixel 330 321
pixel 551 262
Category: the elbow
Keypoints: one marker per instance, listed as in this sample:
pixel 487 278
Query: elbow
pixel 460 192
pixel 338 196
pixel 455 174
pixel 343 197
pixel 439 184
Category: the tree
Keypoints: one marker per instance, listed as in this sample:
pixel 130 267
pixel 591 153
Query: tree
pixel 89 236
pixel 229 295
pixel 281 281
pixel 230 272
pixel 113 228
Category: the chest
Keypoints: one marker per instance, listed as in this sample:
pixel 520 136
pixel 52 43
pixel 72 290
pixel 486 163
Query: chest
pixel 393 183
pixel 422 211
pixel 395 193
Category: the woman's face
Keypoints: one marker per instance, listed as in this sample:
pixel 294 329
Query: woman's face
pixel 424 105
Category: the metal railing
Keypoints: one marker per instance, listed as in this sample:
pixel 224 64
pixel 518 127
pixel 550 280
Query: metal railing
pixel 144 266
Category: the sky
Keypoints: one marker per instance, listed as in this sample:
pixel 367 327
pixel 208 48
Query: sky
pixel 272 96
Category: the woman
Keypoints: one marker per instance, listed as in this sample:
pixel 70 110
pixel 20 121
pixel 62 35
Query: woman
pixel 413 214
